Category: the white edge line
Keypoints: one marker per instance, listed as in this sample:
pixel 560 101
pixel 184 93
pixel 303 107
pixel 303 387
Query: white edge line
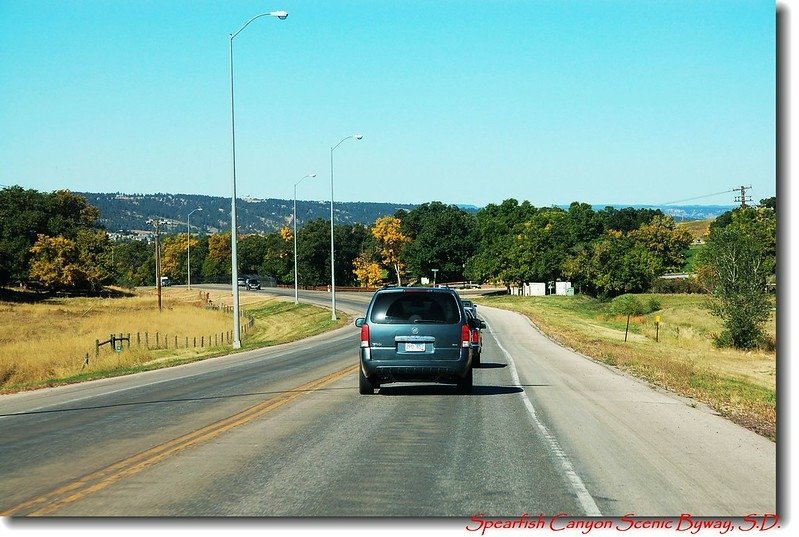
pixel 583 496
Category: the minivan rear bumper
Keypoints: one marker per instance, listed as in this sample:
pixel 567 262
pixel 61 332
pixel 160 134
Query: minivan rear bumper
pixel 404 369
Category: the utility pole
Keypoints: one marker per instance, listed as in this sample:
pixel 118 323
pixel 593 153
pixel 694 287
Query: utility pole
pixel 743 198
pixel 157 225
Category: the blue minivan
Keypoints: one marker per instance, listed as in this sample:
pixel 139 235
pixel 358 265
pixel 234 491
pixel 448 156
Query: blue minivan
pixel 415 334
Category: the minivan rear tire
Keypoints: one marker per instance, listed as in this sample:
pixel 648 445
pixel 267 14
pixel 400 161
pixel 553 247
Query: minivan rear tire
pixel 466 383
pixel 364 386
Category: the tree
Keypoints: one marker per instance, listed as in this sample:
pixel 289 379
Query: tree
pixel 613 265
pixel 351 240
pixel 542 246
pixel 628 262
pixel 313 253
pixel 252 250
pixel 174 250
pixel 278 260
pixel 216 265
pixel 662 236
pixel 26 214
pixel 367 271
pixel 735 265
pixel 499 227
pixel 442 237
pixel 134 263
pixel 391 241
pixel 61 263
pixel 626 219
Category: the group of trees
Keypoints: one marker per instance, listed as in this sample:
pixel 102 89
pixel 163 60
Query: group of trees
pixel 605 253
pixel 270 255
pixel 54 239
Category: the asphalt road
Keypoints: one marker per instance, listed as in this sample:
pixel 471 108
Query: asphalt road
pixel 283 432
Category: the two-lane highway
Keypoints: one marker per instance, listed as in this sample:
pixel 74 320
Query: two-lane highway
pixel 283 432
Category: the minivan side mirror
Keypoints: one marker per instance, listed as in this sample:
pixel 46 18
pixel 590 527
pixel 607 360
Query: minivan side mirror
pixel 359 322
pixel 482 324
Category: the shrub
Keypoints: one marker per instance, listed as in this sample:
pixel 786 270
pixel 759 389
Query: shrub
pixel 627 305
pixel 677 285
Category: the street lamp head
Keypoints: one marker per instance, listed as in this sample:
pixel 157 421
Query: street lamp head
pixel 279 14
pixel 358 136
pixel 312 175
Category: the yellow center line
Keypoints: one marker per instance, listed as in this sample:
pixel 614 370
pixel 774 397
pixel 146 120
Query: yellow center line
pixel 50 502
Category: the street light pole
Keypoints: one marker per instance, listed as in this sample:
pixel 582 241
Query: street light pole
pixel 233 225
pixel 188 245
pixel 296 285
pixel 332 247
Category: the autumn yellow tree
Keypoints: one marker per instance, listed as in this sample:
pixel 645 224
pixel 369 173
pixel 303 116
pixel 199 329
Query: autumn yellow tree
pixel 61 263
pixel 391 242
pixel 216 265
pixel 174 251
pixel 367 271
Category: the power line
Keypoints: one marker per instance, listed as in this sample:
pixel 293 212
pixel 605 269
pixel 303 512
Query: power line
pixel 705 196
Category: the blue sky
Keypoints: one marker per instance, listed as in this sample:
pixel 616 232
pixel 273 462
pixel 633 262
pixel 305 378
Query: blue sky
pixel 602 101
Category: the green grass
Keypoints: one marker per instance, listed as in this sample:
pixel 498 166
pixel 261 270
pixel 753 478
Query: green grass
pixel 280 321
pixel 740 385
pixel 690 260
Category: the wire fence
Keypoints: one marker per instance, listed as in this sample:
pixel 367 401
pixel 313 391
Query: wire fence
pixel 157 341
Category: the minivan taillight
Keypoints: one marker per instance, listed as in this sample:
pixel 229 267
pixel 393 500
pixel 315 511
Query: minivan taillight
pixel 365 335
pixel 465 336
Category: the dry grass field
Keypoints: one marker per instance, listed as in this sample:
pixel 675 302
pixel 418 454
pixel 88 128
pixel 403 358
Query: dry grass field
pixel 697 228
pixel 47 342
pixel 738 384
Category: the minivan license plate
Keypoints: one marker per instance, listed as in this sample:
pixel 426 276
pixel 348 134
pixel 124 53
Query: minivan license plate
pixel 414 347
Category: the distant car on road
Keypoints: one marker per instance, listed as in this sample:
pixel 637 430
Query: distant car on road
pixel 253 284
pixel 468 304
pixel 242 282
pixel 476 325
pixel 415 334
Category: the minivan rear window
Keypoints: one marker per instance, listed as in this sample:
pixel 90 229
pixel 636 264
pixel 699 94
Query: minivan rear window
pixel 415 307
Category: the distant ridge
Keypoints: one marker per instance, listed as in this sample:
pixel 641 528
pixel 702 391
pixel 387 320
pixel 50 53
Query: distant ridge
pixel 128 212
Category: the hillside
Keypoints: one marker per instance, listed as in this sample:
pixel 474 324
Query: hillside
pixel 697 228
pixel 126 212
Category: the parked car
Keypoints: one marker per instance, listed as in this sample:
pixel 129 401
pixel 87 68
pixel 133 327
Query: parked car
pixel 415 334
pixel 253 284
pixel 476 325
